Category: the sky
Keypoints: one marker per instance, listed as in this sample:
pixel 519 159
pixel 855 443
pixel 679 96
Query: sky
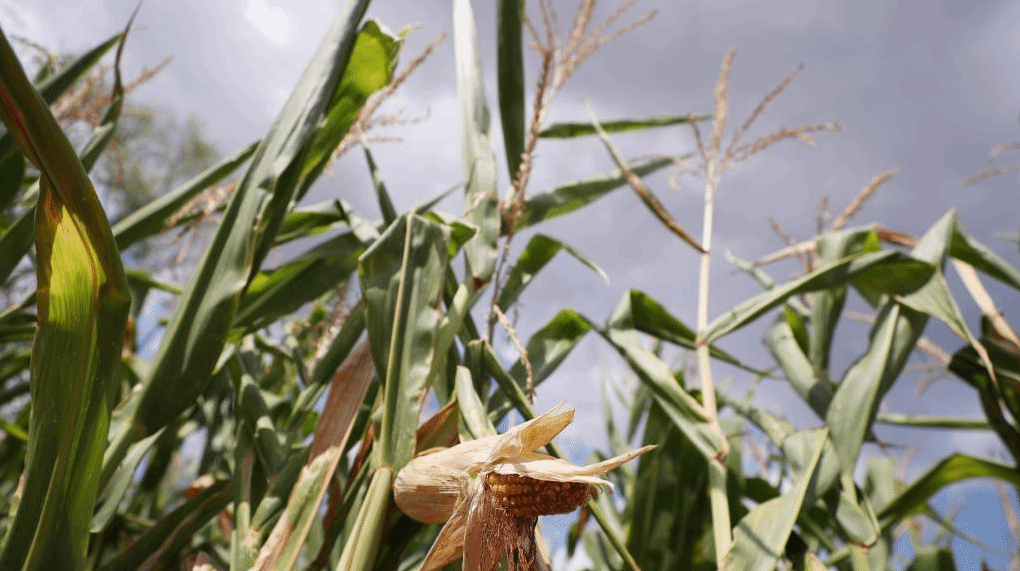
pixel 927 87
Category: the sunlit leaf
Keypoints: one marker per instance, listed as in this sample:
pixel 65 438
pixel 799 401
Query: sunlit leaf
pixel 83 304
pixel 373 59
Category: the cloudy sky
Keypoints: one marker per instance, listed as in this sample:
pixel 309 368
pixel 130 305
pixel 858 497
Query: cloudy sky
pixel 926 87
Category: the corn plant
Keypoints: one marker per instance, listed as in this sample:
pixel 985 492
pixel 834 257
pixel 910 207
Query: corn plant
pixel 808 511
pixel 336 409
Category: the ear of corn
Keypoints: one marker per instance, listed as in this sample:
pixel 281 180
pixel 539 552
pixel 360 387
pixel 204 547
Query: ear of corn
pixel 526 497
pixel 499 484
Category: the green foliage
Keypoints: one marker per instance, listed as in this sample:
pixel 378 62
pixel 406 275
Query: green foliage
pixel 82 303
pixel 262 435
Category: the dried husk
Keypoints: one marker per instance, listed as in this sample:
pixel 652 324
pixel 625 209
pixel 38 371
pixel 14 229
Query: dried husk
pixel 450 486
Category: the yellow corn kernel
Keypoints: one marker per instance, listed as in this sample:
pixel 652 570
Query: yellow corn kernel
pixel 527 497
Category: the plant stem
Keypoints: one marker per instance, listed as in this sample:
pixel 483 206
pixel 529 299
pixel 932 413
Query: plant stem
pixel 721 530
pixel 716 469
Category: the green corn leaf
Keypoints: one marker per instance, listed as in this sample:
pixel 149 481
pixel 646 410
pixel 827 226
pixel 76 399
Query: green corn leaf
pixel 322 217
pixel 459 300
pixel 899 324
pixel 618 442
pixel 14 431
pixel 197 332
pixel 58 83
pixel 474 422
pixel 252 412
pixel 570 197
pixel 547 349
pixel 856 400
pixel 274 294
pixel 882 271
pixel 535 256
pixel 1005 394
pixel 312 220
pixel 572 130
pixel 50 88
pixel 389 213
pixel 480 202
pixel 551 344
pixel 778 430
pixel 815 391
pixel 925 421
pixel 83 303
pixel 244 534
pixel 669 510
pixel 652 318
pixel 955 468
pixel 933 558
pixel 160 546
pixel 881 486
pixel 680 406
pixel 514 392
pixel 12 364
pixel 363 542
pixel 827 304
pixel 402 280
pixel 760 536
pixel 117 484
pixel 510 77
pixel 613 532
pixel 18 326
pixel 934 297
pixel 766 282
pixel 284 546
pixel 798 328
pixel 965 248
pixel 994 398
pixel 850 510
pixel 141 283
pixel 17 240
pixel 324 368
pixel 372 62
pixel 12 171
pixel 151 218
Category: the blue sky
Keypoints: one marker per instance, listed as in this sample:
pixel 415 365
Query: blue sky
pixel 926 87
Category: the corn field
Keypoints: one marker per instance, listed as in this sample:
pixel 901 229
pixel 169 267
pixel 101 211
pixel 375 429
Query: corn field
pixel 336 409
